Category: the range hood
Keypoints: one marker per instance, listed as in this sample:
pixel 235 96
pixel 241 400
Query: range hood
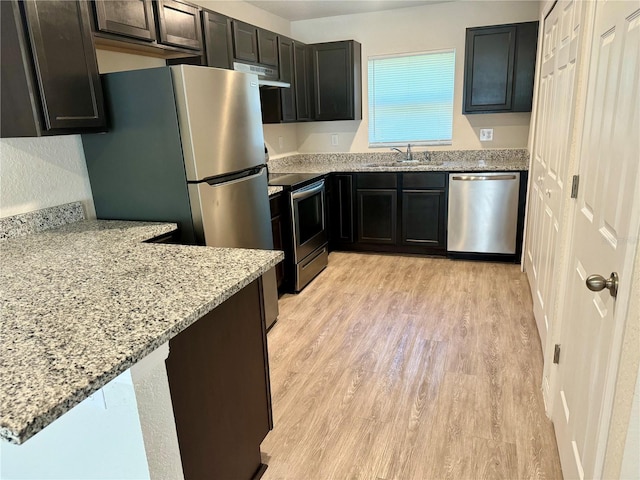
pixel 267 76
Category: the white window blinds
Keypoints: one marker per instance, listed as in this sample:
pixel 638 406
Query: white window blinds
pixel 411 99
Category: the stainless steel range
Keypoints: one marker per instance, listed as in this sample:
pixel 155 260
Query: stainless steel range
pixel 307 206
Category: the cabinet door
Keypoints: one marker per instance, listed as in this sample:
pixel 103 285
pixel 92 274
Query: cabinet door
pixel 489 67
pixel 179 24
pixel 341 208
pixel 267 47
pixel 131 18
pixel 424 218
pixel 525 69
pixel 65 65
pixel 287 95
pixel 336 67
pixel 276 228
pixel 301 81
pixel 377 216
pixel 278 218
pixel 245 41
pixel 217 39
pixel 218 375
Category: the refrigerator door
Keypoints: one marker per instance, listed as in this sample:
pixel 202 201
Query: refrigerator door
pixel 234 213
pixel 220 120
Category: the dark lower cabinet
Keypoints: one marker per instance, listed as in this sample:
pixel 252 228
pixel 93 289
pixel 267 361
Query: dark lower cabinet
pixel 179 24
pixel 377 216
pixel 423 218
pixel 217 39
pixel 389 212
pixel 219 381
pixel 278 228
pixel 341 210
pixel 424 210
pixel 50 83
pixel 130 18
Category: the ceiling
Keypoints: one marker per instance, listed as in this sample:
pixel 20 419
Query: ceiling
pixel 306 9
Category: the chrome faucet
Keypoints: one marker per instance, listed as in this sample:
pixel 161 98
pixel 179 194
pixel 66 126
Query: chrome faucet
pixel 409 155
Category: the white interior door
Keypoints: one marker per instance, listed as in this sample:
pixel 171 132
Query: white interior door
pixel 602 238
pixel 554 124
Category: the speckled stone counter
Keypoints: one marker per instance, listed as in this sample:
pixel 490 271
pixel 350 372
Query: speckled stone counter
pixel 82 303
pixel 445 160
pixel 274 190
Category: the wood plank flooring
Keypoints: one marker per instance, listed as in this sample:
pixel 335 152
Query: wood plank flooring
pixel 391 367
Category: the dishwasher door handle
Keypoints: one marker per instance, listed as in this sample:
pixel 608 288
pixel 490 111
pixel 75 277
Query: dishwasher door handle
pixel 475 178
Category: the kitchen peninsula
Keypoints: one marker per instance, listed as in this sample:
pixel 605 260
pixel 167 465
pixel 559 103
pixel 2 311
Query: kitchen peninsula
pixel 86 301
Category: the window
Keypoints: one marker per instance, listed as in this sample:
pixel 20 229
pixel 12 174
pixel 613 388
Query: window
pixel 411 99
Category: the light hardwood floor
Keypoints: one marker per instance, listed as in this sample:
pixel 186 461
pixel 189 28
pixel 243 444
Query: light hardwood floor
pixel 393 367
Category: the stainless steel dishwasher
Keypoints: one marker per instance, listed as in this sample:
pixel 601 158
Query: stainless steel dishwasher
pixel 483 212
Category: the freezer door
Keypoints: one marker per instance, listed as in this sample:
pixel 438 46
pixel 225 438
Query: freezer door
pixel 220 120
pixel 234 213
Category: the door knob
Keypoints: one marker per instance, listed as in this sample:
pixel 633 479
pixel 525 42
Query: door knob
pixel 596 283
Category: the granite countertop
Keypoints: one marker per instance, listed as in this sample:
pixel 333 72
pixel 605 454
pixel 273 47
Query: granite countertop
pixel 275 190
pixel 82 303
pixel 439 161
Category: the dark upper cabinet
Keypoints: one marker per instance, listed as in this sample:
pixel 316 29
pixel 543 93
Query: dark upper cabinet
pixel 301 74
pixel 254 45
pixel 179 24
pixel 500 68
pixel 279 104
pixel 50 83
pixel 267 47
pixel 217 39
pixel 245 41
pixel 287 66
pixel 131 18
pixel 424 209
pixel 337 80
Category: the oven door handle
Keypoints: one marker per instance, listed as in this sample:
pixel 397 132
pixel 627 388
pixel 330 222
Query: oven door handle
pixel 307 192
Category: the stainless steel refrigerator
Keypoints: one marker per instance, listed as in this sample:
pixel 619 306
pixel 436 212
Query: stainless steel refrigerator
pixel 185 145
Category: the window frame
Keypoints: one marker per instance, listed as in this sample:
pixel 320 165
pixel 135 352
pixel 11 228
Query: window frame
pixel 416 142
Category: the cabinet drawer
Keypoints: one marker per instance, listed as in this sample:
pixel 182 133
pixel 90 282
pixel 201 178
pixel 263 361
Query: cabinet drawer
pixel 377 180
pixel 424 180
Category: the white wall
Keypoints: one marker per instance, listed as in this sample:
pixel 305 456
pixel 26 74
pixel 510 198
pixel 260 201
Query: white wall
pixel 249 13
pixel 38 173
pixel 417 29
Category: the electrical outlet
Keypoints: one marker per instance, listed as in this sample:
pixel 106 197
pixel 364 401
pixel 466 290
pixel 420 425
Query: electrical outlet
pixel 486 134
pixel 280 143
pixel 334 139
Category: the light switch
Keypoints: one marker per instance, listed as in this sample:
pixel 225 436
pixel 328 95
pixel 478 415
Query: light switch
pixel 486 134
pixel 334 139
pixel 280 143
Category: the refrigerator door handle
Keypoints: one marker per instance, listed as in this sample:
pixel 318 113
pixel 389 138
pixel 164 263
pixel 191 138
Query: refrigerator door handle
pixel 234 178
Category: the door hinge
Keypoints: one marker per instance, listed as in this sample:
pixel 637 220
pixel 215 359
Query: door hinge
pixel 574 186
pixel 556 354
